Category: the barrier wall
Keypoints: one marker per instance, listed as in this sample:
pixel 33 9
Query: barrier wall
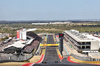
pixel 15 58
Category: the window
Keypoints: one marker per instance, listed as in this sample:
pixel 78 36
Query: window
pixel 83 47
pixel 88 43
pixel 83 43
pixel 87 47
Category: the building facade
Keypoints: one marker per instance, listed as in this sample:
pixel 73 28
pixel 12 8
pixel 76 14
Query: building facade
pixel 81 42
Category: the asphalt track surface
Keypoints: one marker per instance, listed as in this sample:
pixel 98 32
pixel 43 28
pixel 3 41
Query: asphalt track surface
pixel 52 59
pixel 51 53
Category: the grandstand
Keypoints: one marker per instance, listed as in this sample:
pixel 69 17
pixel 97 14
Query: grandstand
pixel 24 46
pixel 31 34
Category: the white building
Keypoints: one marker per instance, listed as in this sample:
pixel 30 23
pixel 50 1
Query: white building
pixel 21 34
pixel 82 42
pixel 40 23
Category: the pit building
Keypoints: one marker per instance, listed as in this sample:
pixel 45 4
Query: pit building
pixel 82 42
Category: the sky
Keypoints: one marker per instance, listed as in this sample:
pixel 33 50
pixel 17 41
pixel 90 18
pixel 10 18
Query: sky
pixel 49 9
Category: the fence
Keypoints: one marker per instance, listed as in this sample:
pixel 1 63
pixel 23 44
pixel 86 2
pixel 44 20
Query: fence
pixel 15 58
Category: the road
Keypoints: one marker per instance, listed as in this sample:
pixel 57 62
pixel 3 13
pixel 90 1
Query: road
pixel 52 59
pixel 51 53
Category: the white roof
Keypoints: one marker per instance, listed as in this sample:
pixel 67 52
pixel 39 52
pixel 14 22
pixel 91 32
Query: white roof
pixel 95 38
pixel 31 29
pixel 78 38
pixel 29 41
pixel 17 44
pixel 90 36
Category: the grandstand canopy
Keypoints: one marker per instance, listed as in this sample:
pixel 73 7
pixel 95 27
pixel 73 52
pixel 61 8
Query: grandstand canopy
pixel 18 44
pixel 31 29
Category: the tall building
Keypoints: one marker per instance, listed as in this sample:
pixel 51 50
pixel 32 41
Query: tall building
pixel 21 34
pixel 18 34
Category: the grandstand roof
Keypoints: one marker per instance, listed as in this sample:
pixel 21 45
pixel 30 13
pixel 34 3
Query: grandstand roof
pixel 29 41
pixel 18 44
pixel 31 34
pixel 31 29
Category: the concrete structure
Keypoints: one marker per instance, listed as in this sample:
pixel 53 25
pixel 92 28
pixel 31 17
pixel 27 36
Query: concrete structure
pixel 18 34
pixel 81 42
pixel 94 56
pixel 95 38
pixel 21 34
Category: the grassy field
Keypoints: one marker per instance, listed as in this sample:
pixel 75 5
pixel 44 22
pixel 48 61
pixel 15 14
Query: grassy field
pixel 52 28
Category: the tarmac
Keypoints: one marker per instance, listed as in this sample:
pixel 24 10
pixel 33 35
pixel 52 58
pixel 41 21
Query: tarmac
pixel 51 57
pixel 51 53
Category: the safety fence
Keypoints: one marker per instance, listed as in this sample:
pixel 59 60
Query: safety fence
pixel 15 58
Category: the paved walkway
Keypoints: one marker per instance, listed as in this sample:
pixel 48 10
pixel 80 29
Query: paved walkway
pixel 86 62
pixel 72 50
